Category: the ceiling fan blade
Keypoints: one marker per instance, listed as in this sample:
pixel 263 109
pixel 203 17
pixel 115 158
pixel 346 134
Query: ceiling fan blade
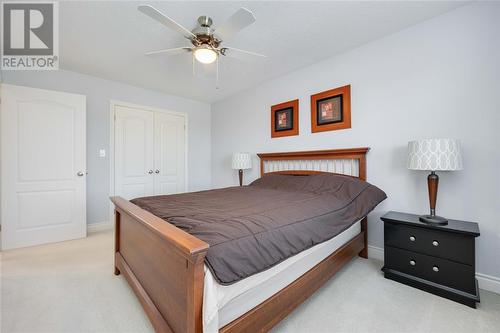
pixel 239 20
pixel 177 50
pixel 240 54
pixel 155 14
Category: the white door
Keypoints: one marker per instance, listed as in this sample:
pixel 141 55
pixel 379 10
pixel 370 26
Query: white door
pixel 170 153
pixel 43 166
pixel 134 175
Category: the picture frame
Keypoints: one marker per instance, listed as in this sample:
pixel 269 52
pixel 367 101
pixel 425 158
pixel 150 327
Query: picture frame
pixel 331 109
pixel 285 119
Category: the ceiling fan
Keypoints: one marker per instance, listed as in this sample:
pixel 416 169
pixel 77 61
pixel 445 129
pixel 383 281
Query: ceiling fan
pixel 206 41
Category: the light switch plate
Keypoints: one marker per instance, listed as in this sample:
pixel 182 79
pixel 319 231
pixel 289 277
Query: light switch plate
pixel 102 153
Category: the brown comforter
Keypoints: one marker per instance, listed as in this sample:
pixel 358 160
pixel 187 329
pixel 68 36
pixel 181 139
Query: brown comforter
pixel 252 228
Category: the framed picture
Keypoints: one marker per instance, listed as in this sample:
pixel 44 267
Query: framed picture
pixel 285 119
pixel 331 109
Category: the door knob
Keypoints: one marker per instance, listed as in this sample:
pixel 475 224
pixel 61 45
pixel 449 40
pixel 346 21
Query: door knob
pixel 150 172
pixel 157 171
pixel 80 173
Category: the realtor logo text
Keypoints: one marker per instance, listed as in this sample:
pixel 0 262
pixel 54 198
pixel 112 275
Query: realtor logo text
pixel 30 36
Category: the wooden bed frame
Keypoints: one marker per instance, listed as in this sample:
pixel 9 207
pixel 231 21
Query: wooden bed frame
pixel 165 265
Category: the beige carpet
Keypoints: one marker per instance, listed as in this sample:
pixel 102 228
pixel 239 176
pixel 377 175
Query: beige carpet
pixel 70 287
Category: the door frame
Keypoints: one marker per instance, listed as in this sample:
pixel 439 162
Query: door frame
pixel 112 120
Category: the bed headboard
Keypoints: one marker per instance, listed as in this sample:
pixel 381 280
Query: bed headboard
pixel 351 162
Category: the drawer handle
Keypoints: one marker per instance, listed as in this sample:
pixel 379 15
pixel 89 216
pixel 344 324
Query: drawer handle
pixel 435 268
pixel 435 243
pixel 412 238
pixel 413 262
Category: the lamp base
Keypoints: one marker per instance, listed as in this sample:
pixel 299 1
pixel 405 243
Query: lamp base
pixel 433 219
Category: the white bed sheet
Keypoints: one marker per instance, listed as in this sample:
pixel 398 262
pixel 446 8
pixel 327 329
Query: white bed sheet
pixel 223 304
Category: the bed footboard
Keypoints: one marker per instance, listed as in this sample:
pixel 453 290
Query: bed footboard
pixel 164 266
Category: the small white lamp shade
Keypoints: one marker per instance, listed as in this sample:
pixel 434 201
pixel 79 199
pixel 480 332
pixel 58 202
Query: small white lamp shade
pixel 241 161
pixel 435 155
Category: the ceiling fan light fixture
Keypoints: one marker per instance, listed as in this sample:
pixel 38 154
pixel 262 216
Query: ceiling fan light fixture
pixel 205 55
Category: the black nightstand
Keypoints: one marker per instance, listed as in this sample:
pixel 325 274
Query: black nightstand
pixel 436 258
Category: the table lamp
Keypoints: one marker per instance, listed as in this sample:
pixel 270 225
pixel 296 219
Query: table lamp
pixel 434 155
pixel 241 161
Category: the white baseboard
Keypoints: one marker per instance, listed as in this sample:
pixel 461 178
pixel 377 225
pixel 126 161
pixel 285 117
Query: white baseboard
pixel 486 282
pixel 375 252
pixel 101 226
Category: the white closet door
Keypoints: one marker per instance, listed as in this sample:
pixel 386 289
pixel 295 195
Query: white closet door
pixel 43 166
pixel 134 175
pixel 170 153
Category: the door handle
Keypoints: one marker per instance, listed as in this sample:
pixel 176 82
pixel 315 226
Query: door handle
pixel 157 171
pixel 80 173
pixel 150 172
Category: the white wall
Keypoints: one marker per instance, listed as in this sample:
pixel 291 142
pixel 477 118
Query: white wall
pixel 99 92
pixel 440 78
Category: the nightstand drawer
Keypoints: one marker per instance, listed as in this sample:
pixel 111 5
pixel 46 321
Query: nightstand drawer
pixel 446 245
pixel 444 272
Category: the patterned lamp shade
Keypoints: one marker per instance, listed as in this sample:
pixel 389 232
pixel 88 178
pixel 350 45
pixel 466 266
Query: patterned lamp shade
pixel 241 161
pixel 434 155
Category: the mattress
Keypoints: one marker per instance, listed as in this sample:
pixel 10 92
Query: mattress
pixel 224 303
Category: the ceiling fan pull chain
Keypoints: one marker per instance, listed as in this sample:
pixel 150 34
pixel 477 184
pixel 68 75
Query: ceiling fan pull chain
pixel 194 73
pixel 217 74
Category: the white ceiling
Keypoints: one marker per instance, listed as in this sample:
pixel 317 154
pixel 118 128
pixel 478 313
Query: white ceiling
pixel 108 39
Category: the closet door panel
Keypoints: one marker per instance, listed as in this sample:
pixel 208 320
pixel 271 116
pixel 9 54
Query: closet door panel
pixel 134 152
pixel 170 154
